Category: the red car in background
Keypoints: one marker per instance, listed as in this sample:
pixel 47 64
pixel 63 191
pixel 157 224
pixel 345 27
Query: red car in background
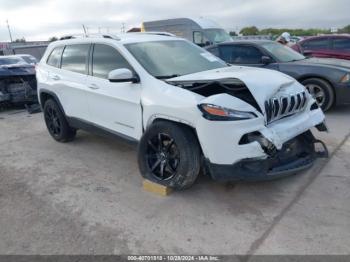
pixel 331 46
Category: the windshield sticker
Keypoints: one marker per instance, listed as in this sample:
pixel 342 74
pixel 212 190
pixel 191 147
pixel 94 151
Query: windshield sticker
pixel 209 57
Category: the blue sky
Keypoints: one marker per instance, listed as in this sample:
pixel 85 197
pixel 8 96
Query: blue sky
pixel 40 19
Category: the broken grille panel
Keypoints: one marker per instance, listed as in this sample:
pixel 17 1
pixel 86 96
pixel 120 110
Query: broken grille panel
pixel 277 108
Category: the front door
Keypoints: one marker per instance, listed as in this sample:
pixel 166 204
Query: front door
pixel 113 106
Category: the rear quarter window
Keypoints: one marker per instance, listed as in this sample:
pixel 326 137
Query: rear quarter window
pixel 54 58
pixel 75 58
pixel 341 44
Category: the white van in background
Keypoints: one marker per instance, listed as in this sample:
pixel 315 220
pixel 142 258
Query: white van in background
pixel 200 31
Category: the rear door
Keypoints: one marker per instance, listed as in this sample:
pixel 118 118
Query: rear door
pixel 113 106
pixel 319 47
pixel 66 76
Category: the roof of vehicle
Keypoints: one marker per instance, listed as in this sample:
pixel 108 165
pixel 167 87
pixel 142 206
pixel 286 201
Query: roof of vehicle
pixel 326 36
pixel 125 38
pixel 13 60
pixel 12 56
pixel 206 23
pixel 201 22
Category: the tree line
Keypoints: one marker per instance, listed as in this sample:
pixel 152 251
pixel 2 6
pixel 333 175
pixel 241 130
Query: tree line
pixel 253 30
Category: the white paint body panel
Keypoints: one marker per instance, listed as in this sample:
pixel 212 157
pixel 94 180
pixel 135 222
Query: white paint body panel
pixel 130 108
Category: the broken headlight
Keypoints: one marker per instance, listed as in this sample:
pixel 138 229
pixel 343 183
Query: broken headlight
pixel 218 113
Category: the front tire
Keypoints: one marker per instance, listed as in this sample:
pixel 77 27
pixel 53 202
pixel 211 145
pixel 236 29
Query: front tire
pixel 321 91
pixel 169 154
pixel 56 122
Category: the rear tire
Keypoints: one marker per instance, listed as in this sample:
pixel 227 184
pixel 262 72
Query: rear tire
pixel 169 154
pixel 322 91
pixel 56 122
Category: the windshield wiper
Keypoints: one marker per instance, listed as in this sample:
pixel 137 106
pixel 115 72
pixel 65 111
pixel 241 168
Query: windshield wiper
pixel 167 77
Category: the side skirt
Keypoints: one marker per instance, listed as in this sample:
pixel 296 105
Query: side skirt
pixel 101 131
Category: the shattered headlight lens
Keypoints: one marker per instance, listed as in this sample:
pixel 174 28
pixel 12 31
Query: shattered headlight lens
pixel 218 113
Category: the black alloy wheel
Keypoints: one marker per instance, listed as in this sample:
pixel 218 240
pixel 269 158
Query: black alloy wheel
pixel 163 156
pixel 52 120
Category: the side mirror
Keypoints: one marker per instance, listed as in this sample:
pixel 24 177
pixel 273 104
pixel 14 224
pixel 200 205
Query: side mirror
pixel 198 38
pixel 122 75
pixel 266 60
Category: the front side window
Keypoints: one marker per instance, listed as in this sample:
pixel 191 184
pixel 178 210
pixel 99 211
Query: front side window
pixel 282 53
pixel 341 44
pixel 164 59
pixel 105 59
pixel 316 44
pixel 214 51
pixel 236 54
pixel 217 35
pixel 75 58
pixel 55 57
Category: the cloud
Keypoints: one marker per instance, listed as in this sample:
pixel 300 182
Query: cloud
pixel 39 19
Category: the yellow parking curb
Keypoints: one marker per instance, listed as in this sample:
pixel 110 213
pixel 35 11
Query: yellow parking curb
pixel 156 188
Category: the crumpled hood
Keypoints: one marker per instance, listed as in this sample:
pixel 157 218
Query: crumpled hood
pixel 262 83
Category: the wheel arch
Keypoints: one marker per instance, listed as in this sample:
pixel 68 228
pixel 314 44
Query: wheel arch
pixel 44 95
pixel 311 76
pixel 178 122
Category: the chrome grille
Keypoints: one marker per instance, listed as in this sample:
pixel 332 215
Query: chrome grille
pixel 286 105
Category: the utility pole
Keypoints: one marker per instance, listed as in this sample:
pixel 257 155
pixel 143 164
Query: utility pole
pixel 123 28
pixel 8 27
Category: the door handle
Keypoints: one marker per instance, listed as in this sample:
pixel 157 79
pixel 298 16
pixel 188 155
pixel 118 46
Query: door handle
pixel 93 86
pixel 55 77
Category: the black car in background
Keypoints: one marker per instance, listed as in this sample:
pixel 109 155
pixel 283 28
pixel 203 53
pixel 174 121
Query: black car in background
pixel 17 82
pixel 328 80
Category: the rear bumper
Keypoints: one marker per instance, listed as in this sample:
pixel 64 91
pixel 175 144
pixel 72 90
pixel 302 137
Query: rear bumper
pixel 296 155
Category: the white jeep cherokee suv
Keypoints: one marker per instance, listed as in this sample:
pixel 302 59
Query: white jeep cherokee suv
pixel 188 110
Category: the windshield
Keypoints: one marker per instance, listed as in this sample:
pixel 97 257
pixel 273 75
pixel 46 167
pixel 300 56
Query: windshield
pixel 217 35
pixel 283 53
pixel 166 59
pixel 11 60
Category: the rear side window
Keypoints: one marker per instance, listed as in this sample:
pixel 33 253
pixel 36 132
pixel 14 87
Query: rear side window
pixel 105 59
pixel 75 58
pixel 341 44
pixel 236 54
pixel 55 57
pixel 316 44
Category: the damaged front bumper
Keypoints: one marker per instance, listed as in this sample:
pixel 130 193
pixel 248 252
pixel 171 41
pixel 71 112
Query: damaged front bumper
pixel 296 155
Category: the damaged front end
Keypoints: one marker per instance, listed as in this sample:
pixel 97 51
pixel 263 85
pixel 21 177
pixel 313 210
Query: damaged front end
pixel 296 155
pixel 231 86
pixel 271 136
pixel 17 86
